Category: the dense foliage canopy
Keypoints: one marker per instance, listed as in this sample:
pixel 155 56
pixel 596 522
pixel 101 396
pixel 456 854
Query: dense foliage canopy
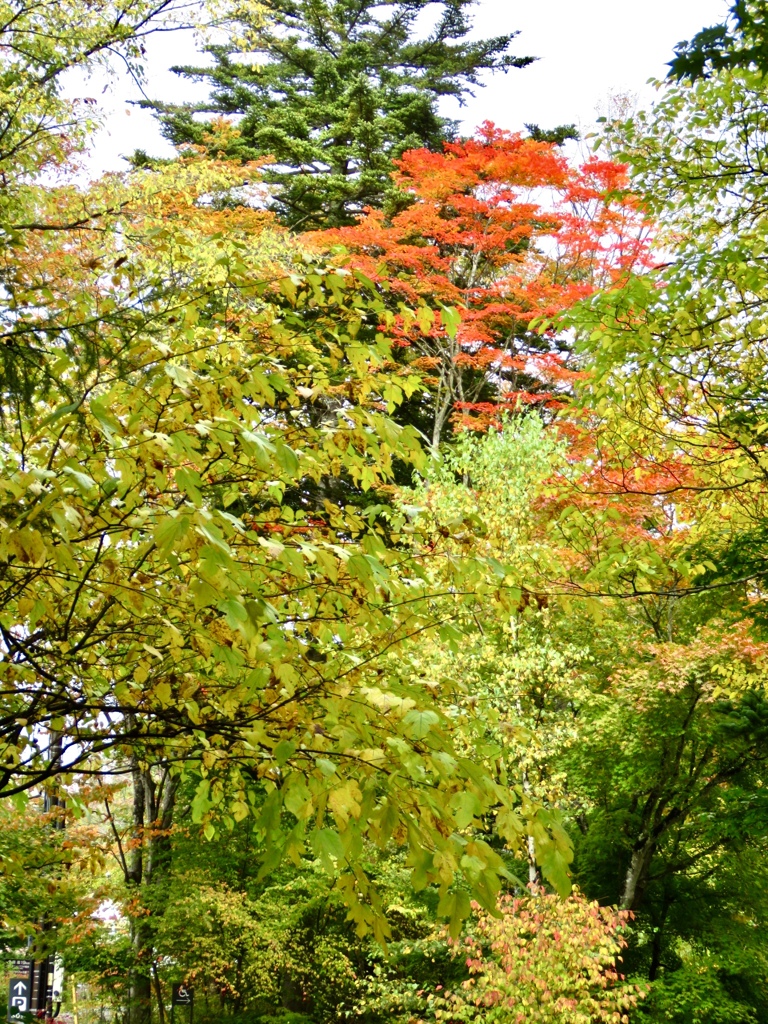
pixel 382 616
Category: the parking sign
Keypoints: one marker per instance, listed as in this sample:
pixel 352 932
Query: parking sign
pixel 18 998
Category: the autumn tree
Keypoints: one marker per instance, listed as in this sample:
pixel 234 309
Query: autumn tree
pixel 689 412
pixel 670 518
pixel 334 92
pixel 187 587
pixel 189 506
pixel 542 959
pixel 504 230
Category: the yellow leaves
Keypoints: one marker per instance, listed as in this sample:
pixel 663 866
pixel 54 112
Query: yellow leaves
pixel 345 802
pixel 369 755
pixel 163 693
pixel 141 673
pixel 240 810
pixel 510 826
pixel 221 631
pixel 445 863
pixel 288 287
pixel 209 758
pixel 26 544
pixel 192 709
pixel 201 644
pixel 386 701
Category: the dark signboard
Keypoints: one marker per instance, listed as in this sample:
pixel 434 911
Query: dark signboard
pixel 182 995
pixel 18 998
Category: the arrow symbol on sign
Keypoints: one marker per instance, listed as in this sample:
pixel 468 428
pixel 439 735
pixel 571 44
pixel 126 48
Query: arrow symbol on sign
pixel 20 987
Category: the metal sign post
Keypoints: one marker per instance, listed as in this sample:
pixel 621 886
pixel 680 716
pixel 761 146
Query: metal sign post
pixel 18 998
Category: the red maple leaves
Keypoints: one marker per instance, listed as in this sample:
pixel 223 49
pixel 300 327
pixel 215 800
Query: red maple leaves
pixel 505 230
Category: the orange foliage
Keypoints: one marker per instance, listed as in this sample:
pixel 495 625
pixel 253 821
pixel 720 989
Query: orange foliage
pixel 506 230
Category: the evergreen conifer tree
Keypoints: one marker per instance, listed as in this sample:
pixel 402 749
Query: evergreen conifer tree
pixel 335 90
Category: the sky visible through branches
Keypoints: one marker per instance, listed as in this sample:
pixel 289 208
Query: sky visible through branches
pixel 587 51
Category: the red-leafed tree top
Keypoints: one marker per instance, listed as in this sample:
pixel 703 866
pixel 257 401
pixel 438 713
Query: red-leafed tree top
pixel 504 229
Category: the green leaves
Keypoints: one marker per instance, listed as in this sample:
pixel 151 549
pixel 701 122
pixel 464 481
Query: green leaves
pixel 451 318
pixel 418 723
pixel 328 847
pixel 356 86
pixel 454 906
pixel 554 852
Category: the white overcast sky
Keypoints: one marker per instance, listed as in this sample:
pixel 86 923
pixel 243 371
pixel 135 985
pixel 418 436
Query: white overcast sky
pixel 587 49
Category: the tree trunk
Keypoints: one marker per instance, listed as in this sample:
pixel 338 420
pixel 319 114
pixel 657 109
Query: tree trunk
pixel 141 980
pixel 158 993
pixel 150 860
pixel 658 936
pixel 634 882
pixel 533 871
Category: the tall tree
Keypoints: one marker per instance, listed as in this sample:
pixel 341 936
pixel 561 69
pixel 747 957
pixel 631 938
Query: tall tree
pixel 334 91
pixel 675 417
pixel 504 229
pixel 171 582
pixel 678 355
